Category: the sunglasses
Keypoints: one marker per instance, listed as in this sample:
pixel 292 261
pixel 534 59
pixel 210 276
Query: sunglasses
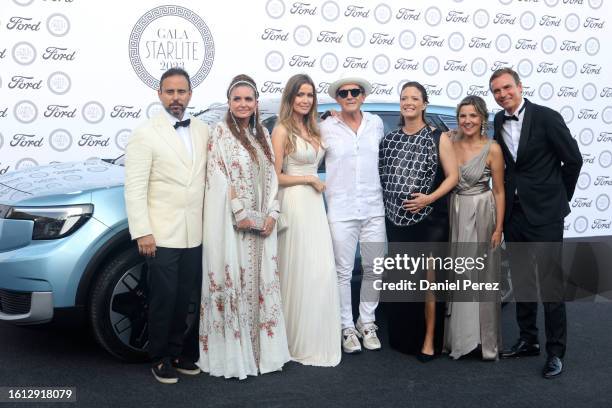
pixel 355 92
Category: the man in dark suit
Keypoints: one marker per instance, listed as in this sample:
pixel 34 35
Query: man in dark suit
pixel 542 167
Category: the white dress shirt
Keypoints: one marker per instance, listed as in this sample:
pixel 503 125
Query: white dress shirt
pixel 511 129
pixel 353 190
pixel 182 131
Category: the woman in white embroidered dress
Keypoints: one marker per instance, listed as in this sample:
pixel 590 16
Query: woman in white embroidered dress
pixel 242 330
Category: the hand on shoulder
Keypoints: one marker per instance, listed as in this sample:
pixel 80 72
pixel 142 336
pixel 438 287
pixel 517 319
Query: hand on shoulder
pixel 445 138
pixel 451 134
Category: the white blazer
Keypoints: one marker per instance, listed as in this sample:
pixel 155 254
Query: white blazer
pixel 164 187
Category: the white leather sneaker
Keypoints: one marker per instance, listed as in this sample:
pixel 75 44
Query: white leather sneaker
pixel 350 341
pixel 368 332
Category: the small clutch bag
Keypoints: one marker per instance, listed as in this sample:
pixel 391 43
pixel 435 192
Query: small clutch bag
pixel 257 220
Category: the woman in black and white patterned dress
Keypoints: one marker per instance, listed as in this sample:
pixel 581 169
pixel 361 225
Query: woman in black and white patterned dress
pixel 417 169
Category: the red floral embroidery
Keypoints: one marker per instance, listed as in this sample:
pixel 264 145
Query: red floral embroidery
pixel 220 303
pixel 212 286
pixel 204 342
pixel 268 326
pixel 233 304
pixel 242 281
pixel 228 278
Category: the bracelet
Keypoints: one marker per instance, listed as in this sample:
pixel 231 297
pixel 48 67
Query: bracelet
pixel 236 205
pixel 241 215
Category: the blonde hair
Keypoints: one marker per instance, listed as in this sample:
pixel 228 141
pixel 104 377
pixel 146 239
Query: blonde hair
pixel 480 106
pixel 285 116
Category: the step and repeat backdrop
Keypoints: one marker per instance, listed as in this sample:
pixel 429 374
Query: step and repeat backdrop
pixel 77 75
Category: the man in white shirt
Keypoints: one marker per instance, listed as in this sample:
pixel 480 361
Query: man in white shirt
pixel 355 208
pixel 164 193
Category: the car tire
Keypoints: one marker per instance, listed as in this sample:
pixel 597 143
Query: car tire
pixel 124 276
pixel 118 307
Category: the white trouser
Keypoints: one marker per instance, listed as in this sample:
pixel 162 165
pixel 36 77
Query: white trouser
pixel 370 233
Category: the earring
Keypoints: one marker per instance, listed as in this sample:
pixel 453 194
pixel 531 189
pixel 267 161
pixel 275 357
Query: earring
pixel 235 123
pixel 253 128
pixel 483 129
pixel 255 124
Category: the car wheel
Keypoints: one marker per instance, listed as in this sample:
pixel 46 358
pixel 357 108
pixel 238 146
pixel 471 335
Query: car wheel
pixel 118 307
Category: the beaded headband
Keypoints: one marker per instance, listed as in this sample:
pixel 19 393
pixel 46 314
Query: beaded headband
pixel 237 83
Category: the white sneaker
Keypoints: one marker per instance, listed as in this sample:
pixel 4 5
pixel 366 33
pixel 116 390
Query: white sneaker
pixel 368 332
pixel 350 341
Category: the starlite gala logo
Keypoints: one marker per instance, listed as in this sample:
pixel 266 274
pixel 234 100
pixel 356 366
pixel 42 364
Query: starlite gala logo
pixel 171 36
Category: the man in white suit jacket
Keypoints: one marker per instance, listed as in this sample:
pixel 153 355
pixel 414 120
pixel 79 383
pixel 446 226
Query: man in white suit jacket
pixel 164 193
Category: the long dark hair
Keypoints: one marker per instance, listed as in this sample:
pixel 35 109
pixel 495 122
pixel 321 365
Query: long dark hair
pixel 423 92
pixel 255 127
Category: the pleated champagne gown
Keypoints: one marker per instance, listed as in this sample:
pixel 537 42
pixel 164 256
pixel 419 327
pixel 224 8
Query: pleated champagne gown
pixel 308 278
pixel 472 220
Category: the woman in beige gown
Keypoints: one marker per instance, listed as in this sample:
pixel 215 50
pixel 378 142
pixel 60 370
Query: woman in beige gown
pixel 309 288
pixel 474 212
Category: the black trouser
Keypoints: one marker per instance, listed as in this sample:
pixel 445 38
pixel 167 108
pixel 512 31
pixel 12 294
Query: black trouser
pixel 174 274
pixel 522 270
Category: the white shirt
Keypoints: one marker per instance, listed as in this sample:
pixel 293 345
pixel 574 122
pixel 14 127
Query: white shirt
pixel 511 130
pixel 183 132
pixel 353 190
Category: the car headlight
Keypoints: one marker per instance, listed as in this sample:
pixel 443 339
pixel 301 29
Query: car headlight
pixel 52 222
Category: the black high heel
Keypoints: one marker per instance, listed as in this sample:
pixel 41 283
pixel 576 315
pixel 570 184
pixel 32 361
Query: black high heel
pixel 425 358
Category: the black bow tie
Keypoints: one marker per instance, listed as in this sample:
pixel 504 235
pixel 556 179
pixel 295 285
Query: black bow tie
pixel 183 123
pixel 513 117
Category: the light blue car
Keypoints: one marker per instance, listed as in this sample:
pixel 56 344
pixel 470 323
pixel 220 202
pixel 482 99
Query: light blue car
pixel 65 250
pixel 65 253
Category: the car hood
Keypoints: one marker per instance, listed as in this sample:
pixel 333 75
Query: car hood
pixel 57 179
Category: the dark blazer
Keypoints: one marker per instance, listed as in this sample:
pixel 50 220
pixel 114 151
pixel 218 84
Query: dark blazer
pixel 547 167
